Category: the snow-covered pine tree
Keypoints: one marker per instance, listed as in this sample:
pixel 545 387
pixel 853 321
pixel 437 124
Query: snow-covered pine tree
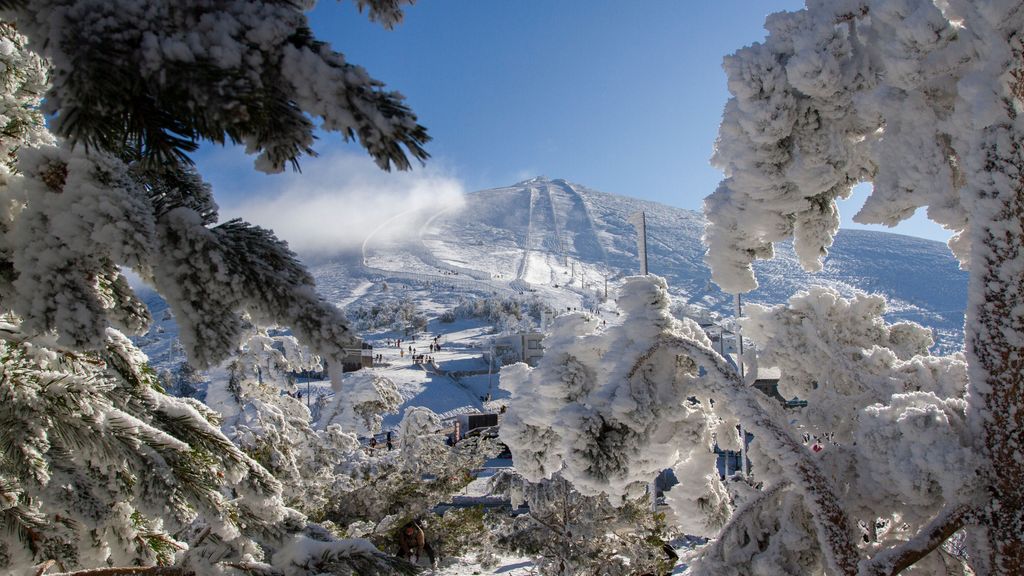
pixel 922 99
pixel 98 466
pixel 609 409
pixel 571 534
pixel 268 424
pixel 360 404
pixel 133 90
pixel 183 380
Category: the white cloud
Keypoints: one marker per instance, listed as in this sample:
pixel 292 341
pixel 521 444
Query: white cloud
pixel 341 199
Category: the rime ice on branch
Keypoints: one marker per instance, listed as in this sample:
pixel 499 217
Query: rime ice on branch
pixel 923 100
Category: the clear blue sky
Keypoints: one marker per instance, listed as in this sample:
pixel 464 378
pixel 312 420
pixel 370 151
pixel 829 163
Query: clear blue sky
pixel 623 97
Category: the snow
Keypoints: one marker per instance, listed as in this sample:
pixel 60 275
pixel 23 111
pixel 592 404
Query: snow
pixel 920 98
pixel 506 566
pixel 574 234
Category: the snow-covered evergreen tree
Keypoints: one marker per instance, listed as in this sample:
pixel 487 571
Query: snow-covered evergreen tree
pixel 133 89
pixel 98 466
pixel 267 423
pixel 572 534
pixel 360 403
pixel 922 99
pixel 609 409
pixel 183 380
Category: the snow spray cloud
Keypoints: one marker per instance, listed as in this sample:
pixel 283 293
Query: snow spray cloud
pixel 339 200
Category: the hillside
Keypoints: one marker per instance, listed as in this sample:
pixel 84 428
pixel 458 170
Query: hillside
pixel 564 241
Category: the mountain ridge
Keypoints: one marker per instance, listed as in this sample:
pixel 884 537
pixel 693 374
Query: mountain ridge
pixel 528 235
pixel 566 244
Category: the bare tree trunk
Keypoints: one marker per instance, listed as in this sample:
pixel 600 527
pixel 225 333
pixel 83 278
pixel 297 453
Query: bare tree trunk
pixel 994 338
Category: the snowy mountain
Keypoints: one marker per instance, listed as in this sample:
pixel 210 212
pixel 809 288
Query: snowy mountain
pixel 563 241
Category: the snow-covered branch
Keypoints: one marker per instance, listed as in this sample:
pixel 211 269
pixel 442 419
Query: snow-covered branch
pixel 740 519
pixel 723 382
pixel 922 99
pixel 892 561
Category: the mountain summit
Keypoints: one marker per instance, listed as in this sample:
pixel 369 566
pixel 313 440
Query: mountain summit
pixel 565 242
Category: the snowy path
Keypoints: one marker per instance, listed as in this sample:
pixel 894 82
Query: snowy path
pixel 358 292
pixel 524 264
pixel 419 385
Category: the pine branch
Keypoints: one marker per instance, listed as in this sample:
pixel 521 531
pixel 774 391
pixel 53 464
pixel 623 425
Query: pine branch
pixel 894 560
pixel 110 96
pixel 387 12
pixel 830 518
pixel 739 518
pixel 171 187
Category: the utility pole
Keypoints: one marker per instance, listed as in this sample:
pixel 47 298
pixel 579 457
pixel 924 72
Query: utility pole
pixel 490 368
pixel 739 366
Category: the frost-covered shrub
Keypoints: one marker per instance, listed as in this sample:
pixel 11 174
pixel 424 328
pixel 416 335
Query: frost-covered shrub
pixel 509 314
pixel 896 415
pixel 465 532
pixel 395 314
pixel 569 533
pixel 391 486
pixel 608 409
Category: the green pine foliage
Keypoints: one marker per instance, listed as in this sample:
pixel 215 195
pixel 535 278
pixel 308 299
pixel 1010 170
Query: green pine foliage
pixel 98 465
